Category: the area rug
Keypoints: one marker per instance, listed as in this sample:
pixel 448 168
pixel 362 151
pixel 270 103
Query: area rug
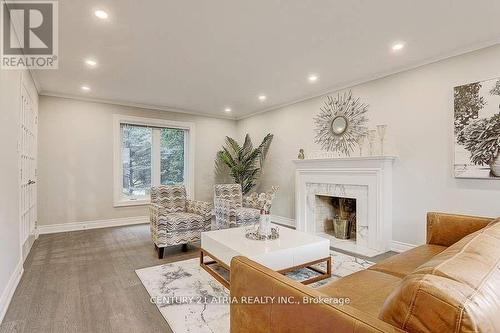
pixel 191 300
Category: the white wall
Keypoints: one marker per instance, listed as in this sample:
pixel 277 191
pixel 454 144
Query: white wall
pixel 417 105
pixel 10 247
pixel 76 158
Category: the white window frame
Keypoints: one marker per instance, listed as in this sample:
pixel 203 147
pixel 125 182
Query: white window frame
pixel 118 120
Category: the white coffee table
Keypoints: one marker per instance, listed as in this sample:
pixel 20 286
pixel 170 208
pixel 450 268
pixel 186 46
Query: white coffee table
pixel 292 251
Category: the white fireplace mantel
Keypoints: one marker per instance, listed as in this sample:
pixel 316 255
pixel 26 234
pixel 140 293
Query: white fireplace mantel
pixel 366 179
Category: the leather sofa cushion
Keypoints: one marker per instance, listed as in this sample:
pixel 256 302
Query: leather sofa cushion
pixel 367 290
pixel 456 291
pixel 405 263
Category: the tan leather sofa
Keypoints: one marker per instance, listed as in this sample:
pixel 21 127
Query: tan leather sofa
pixel 450 284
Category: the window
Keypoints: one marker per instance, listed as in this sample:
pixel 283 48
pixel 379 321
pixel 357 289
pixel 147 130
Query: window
pixel 137 159
pixel 150 152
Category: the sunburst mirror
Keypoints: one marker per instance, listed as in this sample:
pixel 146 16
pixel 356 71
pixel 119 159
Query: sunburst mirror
pixel 341 123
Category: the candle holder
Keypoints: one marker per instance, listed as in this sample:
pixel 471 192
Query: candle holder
pixel 381 134
pixel 360 142
pixel 372 134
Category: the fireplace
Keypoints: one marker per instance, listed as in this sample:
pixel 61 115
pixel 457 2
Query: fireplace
pixel 335 217
pixel 363 185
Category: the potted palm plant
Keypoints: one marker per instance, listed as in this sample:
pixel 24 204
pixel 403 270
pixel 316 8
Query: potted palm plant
pixel 482 139
pixel 243 162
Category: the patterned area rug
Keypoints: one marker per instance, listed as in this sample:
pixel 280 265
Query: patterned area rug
pixel 191 300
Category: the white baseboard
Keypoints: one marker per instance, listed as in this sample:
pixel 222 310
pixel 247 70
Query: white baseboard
pixel 400 246
pixel 10 288
pixel 284 221
pixel 74 226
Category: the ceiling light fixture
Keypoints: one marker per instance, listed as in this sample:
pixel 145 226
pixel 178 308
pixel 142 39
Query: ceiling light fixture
pixel 227 109
pixel 398 46
pixel 313 78
pixel 262 98
pixel 101 14
pixel 91 62
pixel 85 88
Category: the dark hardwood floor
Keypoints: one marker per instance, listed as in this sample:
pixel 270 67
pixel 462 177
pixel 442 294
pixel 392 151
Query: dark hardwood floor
pixel 85 281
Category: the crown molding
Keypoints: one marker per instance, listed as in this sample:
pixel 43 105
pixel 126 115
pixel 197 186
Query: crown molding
pixel 377 76
pixel 331 89
pixel 134 105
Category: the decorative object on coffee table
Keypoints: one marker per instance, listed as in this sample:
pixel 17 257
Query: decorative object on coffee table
pixel 243 163
pixel 176 220
pixel 340 123
pixel 477 130
pixel 253 233
pixel 263 202
pixel 264 228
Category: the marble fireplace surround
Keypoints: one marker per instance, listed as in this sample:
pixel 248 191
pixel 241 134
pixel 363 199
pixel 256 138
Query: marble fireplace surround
pixel 366 179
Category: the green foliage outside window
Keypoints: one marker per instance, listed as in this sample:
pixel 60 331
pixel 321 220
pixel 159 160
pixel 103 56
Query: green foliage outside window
pixel 138 155
pixel 136 159
pixel 172 156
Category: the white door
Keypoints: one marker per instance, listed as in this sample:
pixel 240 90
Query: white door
pixel 27 165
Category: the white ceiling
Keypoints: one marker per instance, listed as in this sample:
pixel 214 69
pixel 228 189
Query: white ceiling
pixel 201 56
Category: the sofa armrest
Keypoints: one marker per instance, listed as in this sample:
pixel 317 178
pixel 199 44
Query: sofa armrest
pixel 447 229
pixel 155 211
pixel 252 281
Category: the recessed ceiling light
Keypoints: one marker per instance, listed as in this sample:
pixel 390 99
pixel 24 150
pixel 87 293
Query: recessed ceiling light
pixel 313 78
pixel 227 109
pixel 398 46
pixel 91 62
pixel 262 98
pixel 101 14
pixel 85 88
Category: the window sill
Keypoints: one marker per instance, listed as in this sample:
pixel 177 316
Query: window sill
pixel 127 203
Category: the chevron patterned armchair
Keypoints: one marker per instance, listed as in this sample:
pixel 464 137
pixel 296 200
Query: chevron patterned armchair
pixel 231 210
pixel 174 219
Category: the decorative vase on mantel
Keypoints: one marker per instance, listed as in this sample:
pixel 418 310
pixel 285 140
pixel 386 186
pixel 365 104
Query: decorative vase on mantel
pixel 264 228
pixel 495 166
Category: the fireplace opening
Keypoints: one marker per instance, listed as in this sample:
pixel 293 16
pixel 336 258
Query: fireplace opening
pixel 336 217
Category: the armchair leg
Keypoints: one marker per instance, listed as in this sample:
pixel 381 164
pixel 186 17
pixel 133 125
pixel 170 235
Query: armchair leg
pixel 184 247
pixel 160 252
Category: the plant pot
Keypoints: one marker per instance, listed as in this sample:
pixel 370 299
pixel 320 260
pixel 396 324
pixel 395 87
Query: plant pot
pixel 495 166
pixel 341 228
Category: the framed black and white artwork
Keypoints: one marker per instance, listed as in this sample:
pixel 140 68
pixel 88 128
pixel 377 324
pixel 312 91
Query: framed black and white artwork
pixel 477 130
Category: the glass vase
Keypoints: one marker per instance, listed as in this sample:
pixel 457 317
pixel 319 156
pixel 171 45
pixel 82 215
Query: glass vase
pixel 264 225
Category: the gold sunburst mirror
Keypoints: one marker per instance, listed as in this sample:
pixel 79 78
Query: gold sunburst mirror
pixel 341 123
